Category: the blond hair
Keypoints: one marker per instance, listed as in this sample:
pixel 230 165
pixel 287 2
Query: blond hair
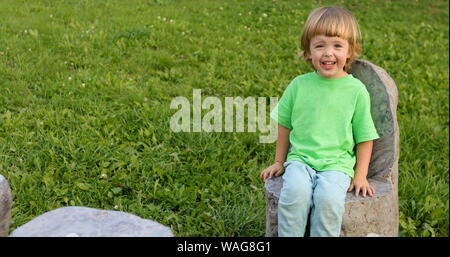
pixel 332 21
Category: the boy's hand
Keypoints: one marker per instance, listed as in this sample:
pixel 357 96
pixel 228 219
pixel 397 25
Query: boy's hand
pixel 275 169
pixel 360 183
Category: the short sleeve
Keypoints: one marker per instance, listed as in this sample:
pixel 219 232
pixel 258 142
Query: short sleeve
pixel 282 111
pixel 362 123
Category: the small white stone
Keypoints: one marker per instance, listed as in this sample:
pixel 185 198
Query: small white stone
pixel 372 235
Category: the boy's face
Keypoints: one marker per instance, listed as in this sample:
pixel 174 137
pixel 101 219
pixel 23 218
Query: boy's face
pixel 329 56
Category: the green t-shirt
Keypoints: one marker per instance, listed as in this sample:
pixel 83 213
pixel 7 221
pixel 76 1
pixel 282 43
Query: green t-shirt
pixel 327 117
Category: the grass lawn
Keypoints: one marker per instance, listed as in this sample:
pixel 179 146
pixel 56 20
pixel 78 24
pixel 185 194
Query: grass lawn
pixel 86 86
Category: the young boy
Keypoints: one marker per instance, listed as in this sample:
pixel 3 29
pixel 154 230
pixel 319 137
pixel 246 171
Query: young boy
pixel 322 115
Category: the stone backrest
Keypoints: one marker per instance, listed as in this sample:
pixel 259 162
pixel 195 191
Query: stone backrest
pixel 383 97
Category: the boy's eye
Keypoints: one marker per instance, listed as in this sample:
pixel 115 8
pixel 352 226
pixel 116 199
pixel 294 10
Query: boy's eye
pixel 337 45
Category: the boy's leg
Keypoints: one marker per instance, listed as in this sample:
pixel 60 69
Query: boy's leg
pixel 295 199
pixel 329 194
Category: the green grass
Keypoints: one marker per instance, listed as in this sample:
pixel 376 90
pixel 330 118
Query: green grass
pixel 85 90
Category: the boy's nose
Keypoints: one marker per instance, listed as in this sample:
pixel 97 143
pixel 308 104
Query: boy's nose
pixel 327 52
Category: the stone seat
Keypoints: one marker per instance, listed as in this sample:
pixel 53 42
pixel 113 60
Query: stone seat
pixel 364 216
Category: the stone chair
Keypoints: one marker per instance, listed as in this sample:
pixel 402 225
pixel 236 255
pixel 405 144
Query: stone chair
pixel 369 216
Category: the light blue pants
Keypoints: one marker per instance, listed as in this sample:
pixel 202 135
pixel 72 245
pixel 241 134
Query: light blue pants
pixel 317 195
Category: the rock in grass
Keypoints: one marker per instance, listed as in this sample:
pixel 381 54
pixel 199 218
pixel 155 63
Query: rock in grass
pixel 89 222
pixel 5 206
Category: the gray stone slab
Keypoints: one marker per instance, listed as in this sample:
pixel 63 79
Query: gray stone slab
pixel 90 222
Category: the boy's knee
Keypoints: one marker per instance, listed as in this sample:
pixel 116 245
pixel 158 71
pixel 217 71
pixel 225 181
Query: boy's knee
pixel 295 194
pixel 329 202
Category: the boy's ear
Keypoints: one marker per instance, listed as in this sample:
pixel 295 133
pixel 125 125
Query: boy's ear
pixel 308 55
pixel 305 54
pixel 349 54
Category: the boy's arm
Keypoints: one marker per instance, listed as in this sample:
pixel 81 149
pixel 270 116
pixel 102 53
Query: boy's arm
pixel 280 154
pixel 359 182
pixel 282 144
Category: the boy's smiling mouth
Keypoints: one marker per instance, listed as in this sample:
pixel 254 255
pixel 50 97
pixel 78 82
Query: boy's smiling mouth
pixel 328 64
